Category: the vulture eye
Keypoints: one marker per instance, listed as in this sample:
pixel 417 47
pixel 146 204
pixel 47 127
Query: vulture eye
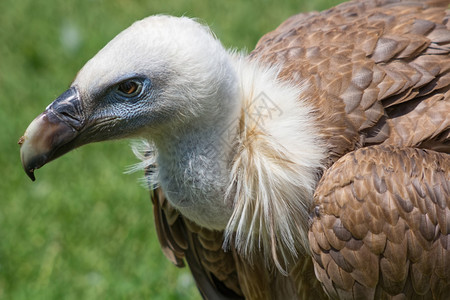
pixel 129 88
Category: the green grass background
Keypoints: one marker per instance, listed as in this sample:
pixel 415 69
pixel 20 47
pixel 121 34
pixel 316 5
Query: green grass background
pixel 84 230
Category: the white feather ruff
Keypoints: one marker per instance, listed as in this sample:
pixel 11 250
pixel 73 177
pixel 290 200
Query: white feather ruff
pixel 275 168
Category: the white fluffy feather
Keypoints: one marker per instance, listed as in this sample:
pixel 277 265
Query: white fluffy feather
pixel 275 168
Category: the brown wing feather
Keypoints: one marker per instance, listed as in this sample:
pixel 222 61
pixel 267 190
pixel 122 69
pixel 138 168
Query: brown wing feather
pixel 381 224
pixel 213 269
pixel 378 70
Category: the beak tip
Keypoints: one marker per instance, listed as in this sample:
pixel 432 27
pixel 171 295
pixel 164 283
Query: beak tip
pixel 30 174
pixel 27 168
pixel 30 161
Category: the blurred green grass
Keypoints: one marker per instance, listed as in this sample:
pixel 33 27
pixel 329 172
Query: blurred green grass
pixel 84 230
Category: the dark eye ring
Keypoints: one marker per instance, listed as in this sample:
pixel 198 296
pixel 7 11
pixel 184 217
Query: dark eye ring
pixel 129 88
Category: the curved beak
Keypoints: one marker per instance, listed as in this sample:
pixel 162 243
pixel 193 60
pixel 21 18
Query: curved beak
pixel 53 133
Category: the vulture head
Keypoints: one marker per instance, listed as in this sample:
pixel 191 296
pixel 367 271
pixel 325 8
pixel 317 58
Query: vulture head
pixel 231 140
pixel 162 78
pixel 158 77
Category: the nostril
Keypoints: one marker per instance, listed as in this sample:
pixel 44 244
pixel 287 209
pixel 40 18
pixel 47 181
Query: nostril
pixel 67 115
pixel 70 119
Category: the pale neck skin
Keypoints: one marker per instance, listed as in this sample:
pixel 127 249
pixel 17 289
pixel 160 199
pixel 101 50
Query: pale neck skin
pixel 193 163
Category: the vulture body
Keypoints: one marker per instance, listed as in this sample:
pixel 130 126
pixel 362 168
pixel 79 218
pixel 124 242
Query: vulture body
pixel 316 167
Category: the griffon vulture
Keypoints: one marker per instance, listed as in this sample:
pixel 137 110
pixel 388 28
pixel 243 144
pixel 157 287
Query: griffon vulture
pixel 316 166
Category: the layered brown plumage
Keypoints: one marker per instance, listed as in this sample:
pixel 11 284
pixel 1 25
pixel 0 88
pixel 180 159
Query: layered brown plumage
pixel 381 224
pixel 378 75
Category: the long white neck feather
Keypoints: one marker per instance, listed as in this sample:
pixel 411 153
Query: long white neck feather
pixel 275 167
pixel 251 171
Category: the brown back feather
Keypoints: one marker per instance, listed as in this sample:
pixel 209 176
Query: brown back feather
pixel 374 66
